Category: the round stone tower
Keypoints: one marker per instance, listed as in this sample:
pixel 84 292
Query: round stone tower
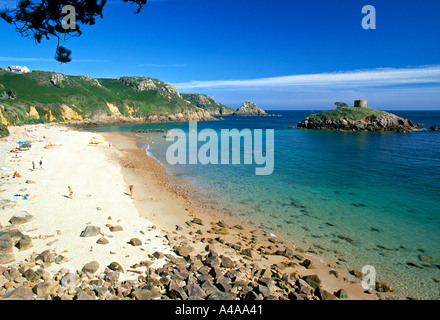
pixel 360 103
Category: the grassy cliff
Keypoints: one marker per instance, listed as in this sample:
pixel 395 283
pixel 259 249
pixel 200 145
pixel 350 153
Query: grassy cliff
pixel 347 113
pixel 357 119
pixel 42 96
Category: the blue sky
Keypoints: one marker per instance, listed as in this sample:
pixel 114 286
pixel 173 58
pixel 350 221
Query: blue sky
pixel 280 54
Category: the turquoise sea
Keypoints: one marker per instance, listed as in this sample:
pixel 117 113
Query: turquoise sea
pixel 366 198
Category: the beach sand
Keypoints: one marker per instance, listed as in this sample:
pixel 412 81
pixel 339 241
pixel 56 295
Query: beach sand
pixel 161 214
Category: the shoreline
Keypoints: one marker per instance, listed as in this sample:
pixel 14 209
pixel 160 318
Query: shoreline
pixel 164 232
pixel 186 197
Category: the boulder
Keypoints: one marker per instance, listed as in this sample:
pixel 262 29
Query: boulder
pixel 21 218
pixel 90 231
pixel 31 275
pixel 82 295
pixel 141 294
pixel 102 240
pixel 158 255
pixel 198 221
pixel 46 256
pixel 91 267
pixel 5 243
pixel 135 242
pixel 313 280
pixel 221 296
pixel 325 295
pixel 183 251
pixel 6 258
pixel 341 294
pixel 264 290
pixel 115 228
pixel 227 262
pixel 195 292
pixel 70 280
pixel 209 288
pixel 21 293
pixel 307 264
pixel 115 266
pixel 24 243
pixel 46 288
pixel 176 292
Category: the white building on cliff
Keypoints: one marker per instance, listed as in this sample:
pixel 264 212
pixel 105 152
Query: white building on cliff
pixel 19 69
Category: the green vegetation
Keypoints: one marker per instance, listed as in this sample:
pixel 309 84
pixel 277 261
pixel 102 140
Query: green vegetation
pixel 341 104
pixel 88 97
pixel 347 113
pixel 4 132
pixel 207 103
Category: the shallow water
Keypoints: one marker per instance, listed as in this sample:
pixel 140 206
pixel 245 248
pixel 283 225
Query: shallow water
pixel 367 198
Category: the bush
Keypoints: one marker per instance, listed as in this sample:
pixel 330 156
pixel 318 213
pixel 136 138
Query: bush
pixel 4 132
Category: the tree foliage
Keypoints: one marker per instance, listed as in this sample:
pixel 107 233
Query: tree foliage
pixel 44 19
pixel 341 104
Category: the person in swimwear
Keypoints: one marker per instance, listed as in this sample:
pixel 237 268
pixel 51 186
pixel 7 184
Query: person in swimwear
pixel 131 190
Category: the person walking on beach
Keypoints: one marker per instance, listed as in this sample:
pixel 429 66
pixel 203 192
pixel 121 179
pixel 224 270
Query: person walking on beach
pixel 33 165
pixel 131 191
pixel 41 164
pixel 70 192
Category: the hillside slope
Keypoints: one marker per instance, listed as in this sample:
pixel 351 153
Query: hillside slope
pixel 42 96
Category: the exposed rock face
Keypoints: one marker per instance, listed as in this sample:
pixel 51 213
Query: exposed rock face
pixel 350 120
pixel 207 103
pixel 91 80
pixel 148 84
pixel 57 79
pixel 249 109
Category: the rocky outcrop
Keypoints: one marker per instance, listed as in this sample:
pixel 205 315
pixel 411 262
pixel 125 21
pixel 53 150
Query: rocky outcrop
pixel 351 120
pixel 249 109
pixel 198 115
pixel 207 103
pixel 91 80
pixel 57 79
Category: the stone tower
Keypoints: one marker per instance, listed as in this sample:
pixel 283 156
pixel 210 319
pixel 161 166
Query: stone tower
pixel 360 103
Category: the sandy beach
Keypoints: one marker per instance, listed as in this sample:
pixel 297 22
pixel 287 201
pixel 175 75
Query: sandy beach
pixel 136 238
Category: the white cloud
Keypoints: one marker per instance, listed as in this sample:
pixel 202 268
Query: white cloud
pixel 350 79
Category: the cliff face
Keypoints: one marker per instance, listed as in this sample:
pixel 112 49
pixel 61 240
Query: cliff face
pixel 207 103
pixel 42 96
pixel 357 119
pixel 249 109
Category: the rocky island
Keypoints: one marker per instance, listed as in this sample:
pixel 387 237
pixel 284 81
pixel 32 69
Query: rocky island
pixel 357 118
pixel 249 109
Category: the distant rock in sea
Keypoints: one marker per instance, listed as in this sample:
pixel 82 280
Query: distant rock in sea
pixel 249 109
pixel 359 118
